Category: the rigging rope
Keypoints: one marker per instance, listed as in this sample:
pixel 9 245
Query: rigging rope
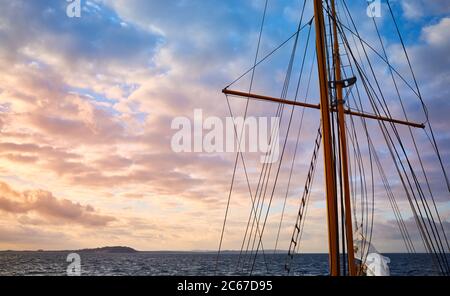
pixel 295 151
pixel 268 55
pixel 284 94
pixel 406 117
pixel 237 156
pixel 266 170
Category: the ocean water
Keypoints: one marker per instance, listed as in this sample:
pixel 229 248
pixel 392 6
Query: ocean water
pixel 188 264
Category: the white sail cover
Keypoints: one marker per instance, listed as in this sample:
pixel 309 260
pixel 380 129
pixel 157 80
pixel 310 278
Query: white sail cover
pixel 375 264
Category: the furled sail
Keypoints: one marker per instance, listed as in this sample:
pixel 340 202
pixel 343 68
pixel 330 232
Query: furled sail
pixel 368 259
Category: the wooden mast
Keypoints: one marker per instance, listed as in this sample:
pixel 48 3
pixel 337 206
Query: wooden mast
pixel 343 146
pixel 330 185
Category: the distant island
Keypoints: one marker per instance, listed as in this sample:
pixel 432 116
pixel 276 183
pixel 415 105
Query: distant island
pixel 129 250
pixel 103 250
pixel 109 250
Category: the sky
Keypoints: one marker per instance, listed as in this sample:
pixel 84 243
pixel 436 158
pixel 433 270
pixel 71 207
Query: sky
pixel 86 106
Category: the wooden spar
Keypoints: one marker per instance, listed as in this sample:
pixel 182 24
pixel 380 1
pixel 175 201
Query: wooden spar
pixel 330 180
pixel 343 145
pixel 387 119
pixel 317 106
pixel 269 99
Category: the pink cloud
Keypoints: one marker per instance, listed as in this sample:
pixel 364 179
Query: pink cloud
pixel 54 210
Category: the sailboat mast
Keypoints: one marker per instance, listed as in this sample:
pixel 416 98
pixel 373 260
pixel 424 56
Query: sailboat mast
pixel 330 186
pixel 343 145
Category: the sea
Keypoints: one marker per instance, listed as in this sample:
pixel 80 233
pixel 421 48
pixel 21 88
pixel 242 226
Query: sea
pixel 190 264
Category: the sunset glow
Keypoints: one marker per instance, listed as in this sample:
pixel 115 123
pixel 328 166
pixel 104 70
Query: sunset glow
pixel 86 112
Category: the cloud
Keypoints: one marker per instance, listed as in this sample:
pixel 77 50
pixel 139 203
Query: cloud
pixel 86 107
pixel 28 237
pixel 435 42
pixel 414 9
pixel 49 207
